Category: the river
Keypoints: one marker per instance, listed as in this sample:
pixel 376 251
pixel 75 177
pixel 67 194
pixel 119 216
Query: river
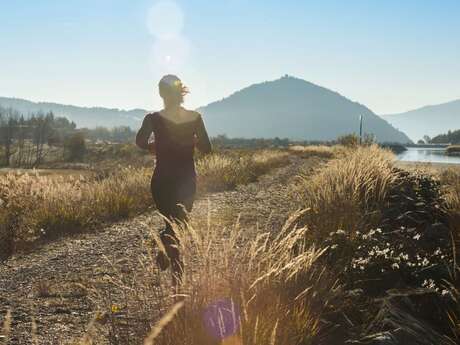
pixel 427 155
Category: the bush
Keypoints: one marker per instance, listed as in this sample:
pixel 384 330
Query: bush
pixel 453 150
pixel 353 140
pixel 349 140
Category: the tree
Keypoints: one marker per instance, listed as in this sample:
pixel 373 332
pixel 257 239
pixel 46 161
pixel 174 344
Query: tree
pixel 24 154
pixel 427 139
pixel 8 128
pixel 41 132
pixel 75 147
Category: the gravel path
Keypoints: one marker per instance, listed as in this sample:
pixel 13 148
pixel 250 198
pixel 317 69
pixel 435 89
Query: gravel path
pixel 50 283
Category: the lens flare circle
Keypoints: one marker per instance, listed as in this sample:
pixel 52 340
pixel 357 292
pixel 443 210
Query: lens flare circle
pixel 165 20
pixel 222 319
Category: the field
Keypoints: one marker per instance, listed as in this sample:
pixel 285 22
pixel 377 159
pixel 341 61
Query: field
pixel 311 245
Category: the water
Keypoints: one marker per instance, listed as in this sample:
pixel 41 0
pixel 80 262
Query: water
pixel 427 155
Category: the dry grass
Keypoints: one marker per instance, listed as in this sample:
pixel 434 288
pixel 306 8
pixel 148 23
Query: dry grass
pixel 450 179
pixel 318 151
pixel 241 286
pixel 344 192
pixel 246 286
pixel 220 172
pixel 33 207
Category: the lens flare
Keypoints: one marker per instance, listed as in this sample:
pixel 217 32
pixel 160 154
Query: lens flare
pixel 165 20
pixel 169 55
pixel 222 320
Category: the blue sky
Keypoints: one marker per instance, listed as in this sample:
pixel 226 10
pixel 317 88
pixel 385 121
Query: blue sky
pixel 389 55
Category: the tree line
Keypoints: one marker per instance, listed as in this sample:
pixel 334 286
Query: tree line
pixel 25 138
pixel 25 141
pixel 451 137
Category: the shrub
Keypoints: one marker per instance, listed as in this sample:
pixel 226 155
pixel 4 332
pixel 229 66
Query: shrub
pixel 349 140
pixel 453 150
pixel 353 140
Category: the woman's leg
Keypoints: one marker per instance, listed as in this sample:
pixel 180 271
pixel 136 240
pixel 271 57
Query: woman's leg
pixel 171 197
pixel 184 198
pixel 162 195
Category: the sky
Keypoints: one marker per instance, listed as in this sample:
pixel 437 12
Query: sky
pixel 392 55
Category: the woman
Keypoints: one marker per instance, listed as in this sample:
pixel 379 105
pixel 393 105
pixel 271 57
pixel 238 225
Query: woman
pixel 176 133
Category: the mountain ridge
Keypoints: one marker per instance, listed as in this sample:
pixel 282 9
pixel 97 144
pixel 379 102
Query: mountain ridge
pixel 287 107
pixel 79 114
pixel 428 120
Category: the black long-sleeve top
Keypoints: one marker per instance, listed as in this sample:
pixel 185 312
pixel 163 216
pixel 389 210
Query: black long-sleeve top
pixel 175 141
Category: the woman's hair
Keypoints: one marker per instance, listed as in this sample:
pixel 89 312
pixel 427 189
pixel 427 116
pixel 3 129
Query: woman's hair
pixel 172 90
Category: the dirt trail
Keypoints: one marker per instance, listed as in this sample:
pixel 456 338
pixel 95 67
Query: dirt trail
pixel 49 284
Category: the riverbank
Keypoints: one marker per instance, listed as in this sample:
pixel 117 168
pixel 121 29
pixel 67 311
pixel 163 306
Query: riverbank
pixel 453 150
pixel 428 167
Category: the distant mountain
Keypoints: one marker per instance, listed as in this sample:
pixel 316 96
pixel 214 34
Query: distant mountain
pixel 83 117
pixel 430 120
pixel 286 108
pixel 296 109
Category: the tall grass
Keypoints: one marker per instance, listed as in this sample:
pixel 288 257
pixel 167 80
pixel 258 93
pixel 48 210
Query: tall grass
pixel 346 192
pixel 247 286
pixel 318 151
pixel 33 207
pixel 450 179
pixel 241 286
pixel 220 172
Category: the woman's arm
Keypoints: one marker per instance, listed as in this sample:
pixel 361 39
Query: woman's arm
pixel 203 143
pixel 143 135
